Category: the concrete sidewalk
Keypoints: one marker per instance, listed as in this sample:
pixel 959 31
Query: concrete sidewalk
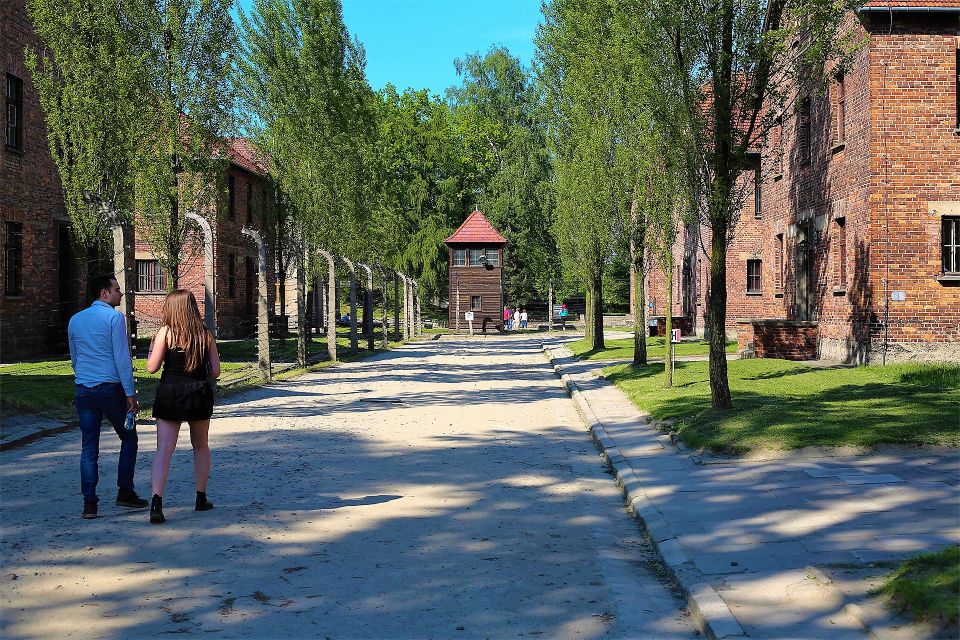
pixel 784 548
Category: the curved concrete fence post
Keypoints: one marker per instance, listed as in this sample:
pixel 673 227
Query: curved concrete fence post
pixel 331 311
pixel 209 293
pixel 368 306
pixel 126 278
pixel 418 316
pixel 303 335
pixel 410 329
pixel 263 317
pixel 406 306
pixel 385 339
pixel 353 303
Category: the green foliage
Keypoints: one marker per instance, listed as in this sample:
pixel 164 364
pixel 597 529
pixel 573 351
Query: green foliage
pixel 496 109
pixel 90 78
pixel 184 123
pixel 305 93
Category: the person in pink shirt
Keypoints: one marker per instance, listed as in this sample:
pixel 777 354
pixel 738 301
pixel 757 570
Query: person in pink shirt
pixel 507 319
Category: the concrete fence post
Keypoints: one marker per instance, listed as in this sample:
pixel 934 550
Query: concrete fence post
pixel 263 317
pixel 368 306
pixel 331 311
pixel 209 291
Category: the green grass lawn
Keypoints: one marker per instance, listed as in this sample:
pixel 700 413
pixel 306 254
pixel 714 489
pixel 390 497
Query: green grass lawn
pixel 48 386
pixel 623 349
pixel 927 588
pixel 786 405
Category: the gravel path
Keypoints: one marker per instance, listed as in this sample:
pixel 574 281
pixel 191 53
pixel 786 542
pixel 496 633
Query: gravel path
pixel 443 490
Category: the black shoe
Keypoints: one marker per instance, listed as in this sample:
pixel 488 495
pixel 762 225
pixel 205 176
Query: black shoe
pixel 202 503
pixel 89 509
pixel 129 498
pixel 156 510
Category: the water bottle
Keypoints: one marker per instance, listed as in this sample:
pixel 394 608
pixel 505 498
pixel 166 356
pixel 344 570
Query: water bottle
pixel 131 420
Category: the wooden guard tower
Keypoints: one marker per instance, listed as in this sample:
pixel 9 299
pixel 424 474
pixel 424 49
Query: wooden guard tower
pixel 476 273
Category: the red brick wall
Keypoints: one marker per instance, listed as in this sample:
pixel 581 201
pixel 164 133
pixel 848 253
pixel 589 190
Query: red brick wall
pixel 30 193
pixel 916 162
pixel 786 340
pixel 865 201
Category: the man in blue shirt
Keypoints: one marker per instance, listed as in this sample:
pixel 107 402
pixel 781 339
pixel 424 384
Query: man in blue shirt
pixel 100 355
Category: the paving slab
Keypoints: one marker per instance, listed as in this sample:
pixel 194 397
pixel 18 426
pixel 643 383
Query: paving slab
pixel 758 531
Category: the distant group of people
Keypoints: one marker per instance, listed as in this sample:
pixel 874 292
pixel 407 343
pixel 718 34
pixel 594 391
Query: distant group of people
pixel 514 319
pixel 100 354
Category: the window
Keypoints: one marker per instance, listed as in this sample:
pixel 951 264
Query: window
pixel 804 131
pixel 231 197
pixel 493 257
pixel 459 257
pixel 249 204
pixel 779 261
pixel 250 286
pixel 951 244
pixel 232 276
pixel 474 303
pixel 13 259
pixel 840 128
pixel 753 276
pixel 475 255
pixel 754 160
pixel 14 112
pixel 150 276
pixel 841 252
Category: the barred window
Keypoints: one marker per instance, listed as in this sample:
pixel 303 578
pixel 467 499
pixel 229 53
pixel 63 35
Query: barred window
pixel 475 303
pixel 459 257
pixel 475 257
pixel 779 262
pixel 14 128
pixel 753 276
pixel 150 276
pixel 13 259
pixel 493 257
pixel 754 160
pixel 841 252
pixel 951 244
pixel 840 130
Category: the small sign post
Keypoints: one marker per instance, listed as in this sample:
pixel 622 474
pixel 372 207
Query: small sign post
pixel 674 339
pixel 468 316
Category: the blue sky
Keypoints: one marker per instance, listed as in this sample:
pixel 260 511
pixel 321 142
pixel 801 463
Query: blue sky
pixel 413 43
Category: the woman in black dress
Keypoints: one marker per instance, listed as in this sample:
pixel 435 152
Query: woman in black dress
pixel 189 357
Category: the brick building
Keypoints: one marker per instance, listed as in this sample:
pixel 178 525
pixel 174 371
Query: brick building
pixel 246 202
pixel 848 245
pixel 39 272
pixel 476 273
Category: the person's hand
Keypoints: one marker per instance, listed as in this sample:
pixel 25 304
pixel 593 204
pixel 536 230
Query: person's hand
pixel 132 405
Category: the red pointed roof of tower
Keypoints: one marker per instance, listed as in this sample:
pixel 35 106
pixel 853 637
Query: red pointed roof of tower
pixel 476 229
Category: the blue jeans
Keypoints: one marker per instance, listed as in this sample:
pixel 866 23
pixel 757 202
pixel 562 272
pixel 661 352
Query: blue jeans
pixel 93 404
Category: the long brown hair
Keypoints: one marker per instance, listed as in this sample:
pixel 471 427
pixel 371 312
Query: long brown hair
pixel 185 328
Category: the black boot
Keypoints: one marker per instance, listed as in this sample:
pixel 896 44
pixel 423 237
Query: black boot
pixel 202 503
pixel 156 510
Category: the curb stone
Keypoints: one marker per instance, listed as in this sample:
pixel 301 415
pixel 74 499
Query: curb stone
pixel 710 612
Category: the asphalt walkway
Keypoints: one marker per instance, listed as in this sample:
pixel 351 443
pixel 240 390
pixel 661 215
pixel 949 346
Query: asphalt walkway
pixel 779 548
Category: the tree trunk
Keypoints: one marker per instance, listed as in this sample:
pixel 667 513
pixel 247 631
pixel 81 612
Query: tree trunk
pixel 668 341
pixel 597 299
pixel 331 312
pixel 173 246
pixel 385 341
pixel 639 307
pixel 588 316
pixel 719 385
pixel 549 306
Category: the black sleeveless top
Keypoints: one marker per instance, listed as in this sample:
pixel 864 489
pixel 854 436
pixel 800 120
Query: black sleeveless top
pixel 174 368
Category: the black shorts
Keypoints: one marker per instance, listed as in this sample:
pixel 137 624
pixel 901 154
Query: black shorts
pixel 183 401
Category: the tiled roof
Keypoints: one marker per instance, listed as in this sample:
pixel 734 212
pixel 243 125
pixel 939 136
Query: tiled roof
pixel 245 155
pixel 476 229
pixel 921 4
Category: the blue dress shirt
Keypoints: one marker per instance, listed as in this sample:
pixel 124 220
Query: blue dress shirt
pixel 99 350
